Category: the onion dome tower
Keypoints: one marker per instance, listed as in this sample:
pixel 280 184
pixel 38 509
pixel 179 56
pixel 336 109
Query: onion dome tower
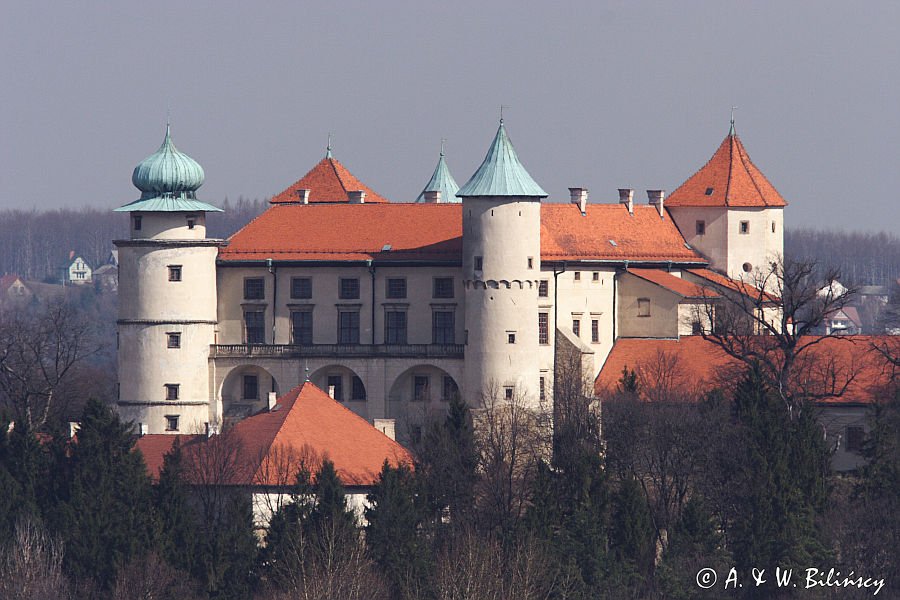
pixel 501 269
pixel 167 298
pixel 442 187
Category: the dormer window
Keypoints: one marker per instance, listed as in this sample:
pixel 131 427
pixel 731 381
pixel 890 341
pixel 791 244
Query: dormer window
pixel 709 191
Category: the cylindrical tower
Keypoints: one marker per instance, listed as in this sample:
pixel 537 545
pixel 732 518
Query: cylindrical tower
pixel 167 298
pixel 501 269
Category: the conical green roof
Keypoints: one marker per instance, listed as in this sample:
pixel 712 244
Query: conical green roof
pixel 501 173
pixel 441 181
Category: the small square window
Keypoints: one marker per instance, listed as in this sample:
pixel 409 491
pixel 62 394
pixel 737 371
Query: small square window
pixel 173 340
pixel 301 288
pixel 443 287
pixel 643 307
pixel 174 272
pixel 171 422
pixel 543 288
pixel 479 263
pixel 349 289
pixel 396 287
pixel 745 227
pixel 191 222
pixel 511 338
pixel 138 222
pixel 701 227
pixel 595 276
pixel 254 288
pixel 576 327
pixel 577 275
pixel 172 391
pixel 530 262
pixel 508 392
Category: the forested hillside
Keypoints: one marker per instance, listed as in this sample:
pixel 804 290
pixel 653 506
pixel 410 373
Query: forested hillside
pixel 861 258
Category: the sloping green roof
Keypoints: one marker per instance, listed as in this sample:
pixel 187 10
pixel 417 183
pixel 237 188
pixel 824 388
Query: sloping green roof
pixel 441 181
pixel 168 204
pixel 501 173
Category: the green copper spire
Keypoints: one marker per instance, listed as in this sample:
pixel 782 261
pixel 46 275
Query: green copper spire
pixel 501 173
pixel 441 181
pixel 731 130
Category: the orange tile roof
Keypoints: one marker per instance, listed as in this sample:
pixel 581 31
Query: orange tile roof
pixel 700 365
pixel 732 284
pixel 730 179
pixel 673 283
pixel 434 232
pixel 155 446
pixel 328 181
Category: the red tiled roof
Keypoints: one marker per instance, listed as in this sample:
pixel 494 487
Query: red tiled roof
pixel 732 178
pixel 6 282
pixel 305 424
pixel 699 365
pixel 738 286
pixel 328 181
pixel 673 283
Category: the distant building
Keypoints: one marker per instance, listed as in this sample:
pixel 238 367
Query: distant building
pixel 13 290
pixel 78 272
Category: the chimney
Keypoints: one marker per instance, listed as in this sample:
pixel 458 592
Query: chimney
pixel 273 399
pixel 385 426
pixel 303 196
pixel 331 392
pixel 626 197
pixel 357 197
pixel 656 198
pixel 579 198
pixel 73 428
pixel 433 197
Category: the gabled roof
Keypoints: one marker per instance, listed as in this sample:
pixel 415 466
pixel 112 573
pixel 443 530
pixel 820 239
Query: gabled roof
pixel 672 283
pixel 501 173
pixel 328 181
pixel 8 280
pixel 441 181
pixel 728 179
pixel 740 287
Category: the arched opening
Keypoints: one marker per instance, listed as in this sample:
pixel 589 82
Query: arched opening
pixel 419 395
pixel 246 390
pixel 341 383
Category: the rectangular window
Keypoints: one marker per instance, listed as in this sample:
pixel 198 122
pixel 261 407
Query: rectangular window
pixel 595 330
pixel 336 387
pixel 443 327
pixel 301 288
pixel 479 263
pixel 449 389
pixel 173 340
pixel 530 262
pixel 395 327
pixel 542 388
pixel 443 287
pixel 643 307
pixel 855 438
pixel 577 275
pixel 596 276
pixel 420 388
pixel 349 289
pixel 543 288
pixel 171 422
pixel 302 327
pixel 251 387
pixel 191 221
pixel 508 392
pixel 696 328
pixel 137 222
pixel 700 227
pixel 254 288
pixel 254 327
pixel 745 227
pixel 773 226
pixel 172 391
pixel 576 327
pixel 357 389
pixel 511 337
pixel 395 287
pixel 348 327
pixel 174 272
pixel 543 328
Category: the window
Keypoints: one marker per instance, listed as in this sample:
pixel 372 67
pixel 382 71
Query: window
pixel 511 337
pixel 336 387
pixel 576 327
pixel 302 327
pixel 443 287
pixel 415 434
pixel 251 387
pixel 747 267
pixel 543 328
pixel 530 262
pixel 395 287
pixel 696 328
pixel 420 388
pixel 745 227
pixel 173 340
pixel 701 227
pixel 174 272
pixel 348 327
pixel 449 389
pixel 138 222
pixel 301 288
pixel 709 191
pixel 172 391
pixel 479 263
pixel 254 327
pixel 595 330
pixel 171 422
pixel 577 275
pixel 254 288
pixel 508 392
pixel 395 327
pixel 855 437
pixel 643 307
pixel 596 276
pixel 357 389
pixel 773 226
pixel 349 289
pixel 191 221
pixel 443 325
pixel 543 288
pixel 542 388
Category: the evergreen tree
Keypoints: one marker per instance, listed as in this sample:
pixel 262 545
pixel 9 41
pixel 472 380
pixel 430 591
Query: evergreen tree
pixel 694 544
pixel 229 556
pixel 178 531
pixel 24 468
pixel 330 509
pixel 632 535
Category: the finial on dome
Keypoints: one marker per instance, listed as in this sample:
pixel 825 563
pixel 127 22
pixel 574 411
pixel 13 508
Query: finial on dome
pixel 167 172
pixel 328 148
pixel 731 131
pixel 442 145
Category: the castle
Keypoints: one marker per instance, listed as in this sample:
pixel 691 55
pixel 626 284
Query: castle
pixel 395 307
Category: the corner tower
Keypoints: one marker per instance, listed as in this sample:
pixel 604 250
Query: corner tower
pixel 501 268
pixel 167 298
pixel 730 212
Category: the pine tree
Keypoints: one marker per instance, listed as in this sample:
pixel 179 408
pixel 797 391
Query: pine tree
pixel 632 536
pixel 178 531
pixel 694 543
pixel 24 465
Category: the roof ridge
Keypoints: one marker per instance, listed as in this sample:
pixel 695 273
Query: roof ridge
pixel 742 152
pixel 331 160
pixel 731 138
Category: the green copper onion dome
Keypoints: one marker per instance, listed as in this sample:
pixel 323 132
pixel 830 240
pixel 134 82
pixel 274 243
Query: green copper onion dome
pixel 167 172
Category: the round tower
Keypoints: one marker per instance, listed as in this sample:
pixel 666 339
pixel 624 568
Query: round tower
pixel 501 269
pixel 167 298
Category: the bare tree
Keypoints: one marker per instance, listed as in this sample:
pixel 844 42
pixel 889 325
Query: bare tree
pixel 31 566
pixel 151 578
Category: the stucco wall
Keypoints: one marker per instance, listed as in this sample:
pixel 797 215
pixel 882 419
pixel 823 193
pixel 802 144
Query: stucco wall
pixel 663 319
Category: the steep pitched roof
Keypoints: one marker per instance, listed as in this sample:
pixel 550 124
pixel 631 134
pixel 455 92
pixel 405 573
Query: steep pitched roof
pixel 741 287
pixel 673 283
pixel 441 181
pixel 501 173
pixel 728 179
pixel 328 181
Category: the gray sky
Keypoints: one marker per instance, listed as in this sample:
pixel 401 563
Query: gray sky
pixel 602 95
